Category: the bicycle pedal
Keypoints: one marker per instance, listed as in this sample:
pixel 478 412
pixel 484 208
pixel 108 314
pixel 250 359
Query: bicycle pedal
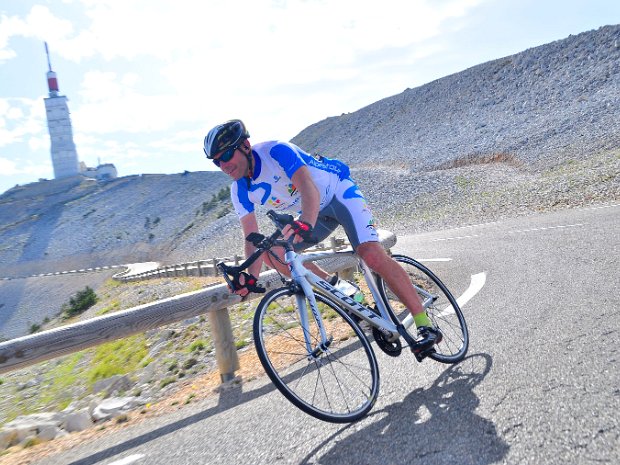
pixel 422 354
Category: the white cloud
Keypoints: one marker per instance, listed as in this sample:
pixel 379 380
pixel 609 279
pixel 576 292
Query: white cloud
pixel 39 143
pixel 220 59
pixel 39 23
pixel 18 167
pixel 7 167
pixel 19 119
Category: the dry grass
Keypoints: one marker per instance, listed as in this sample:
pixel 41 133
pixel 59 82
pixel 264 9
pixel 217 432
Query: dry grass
pixel 482 159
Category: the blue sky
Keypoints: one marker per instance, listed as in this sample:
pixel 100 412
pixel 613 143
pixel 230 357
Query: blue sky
pixel 146 79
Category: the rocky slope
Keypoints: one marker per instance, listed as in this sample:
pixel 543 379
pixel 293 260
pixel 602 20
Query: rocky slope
pixel 82 222
pixel 539 107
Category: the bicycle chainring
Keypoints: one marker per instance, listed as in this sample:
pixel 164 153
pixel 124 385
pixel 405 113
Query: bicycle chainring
pixel 393 349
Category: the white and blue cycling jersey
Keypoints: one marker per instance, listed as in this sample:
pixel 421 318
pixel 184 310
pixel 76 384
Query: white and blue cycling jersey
pixel 274 165
pixel 341 202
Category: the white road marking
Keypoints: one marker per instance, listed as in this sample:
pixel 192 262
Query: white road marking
pixel 604 206
pixel 476 284
pixel 545 228
pixel 128 460
pixel 455 238
pixel 576 225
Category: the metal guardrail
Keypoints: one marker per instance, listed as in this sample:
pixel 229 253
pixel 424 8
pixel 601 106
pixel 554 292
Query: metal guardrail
pixel 215 300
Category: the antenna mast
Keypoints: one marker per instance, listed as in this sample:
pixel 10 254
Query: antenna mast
pixel 47 52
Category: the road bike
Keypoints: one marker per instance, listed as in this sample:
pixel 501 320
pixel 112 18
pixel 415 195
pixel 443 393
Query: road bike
pixel 310 336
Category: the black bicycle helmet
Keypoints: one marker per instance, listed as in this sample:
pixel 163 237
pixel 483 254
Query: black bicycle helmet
pixel 224 136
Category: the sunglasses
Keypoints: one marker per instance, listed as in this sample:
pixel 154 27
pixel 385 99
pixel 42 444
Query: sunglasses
pixel 226 156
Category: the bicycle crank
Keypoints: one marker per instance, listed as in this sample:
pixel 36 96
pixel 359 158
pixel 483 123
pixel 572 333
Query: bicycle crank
pixel 392 348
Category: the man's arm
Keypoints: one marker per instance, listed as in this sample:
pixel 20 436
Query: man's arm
pixel 250 225
pixel 310 199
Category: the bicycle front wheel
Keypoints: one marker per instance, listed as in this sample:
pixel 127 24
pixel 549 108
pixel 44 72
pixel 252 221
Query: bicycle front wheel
pixel 336 382
pixel 441 307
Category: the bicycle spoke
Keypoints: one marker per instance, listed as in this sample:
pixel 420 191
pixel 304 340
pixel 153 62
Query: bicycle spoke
pixel 337 383
pixel 444 311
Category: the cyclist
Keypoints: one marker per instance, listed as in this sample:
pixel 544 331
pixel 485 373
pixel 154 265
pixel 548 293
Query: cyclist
pixel 320 190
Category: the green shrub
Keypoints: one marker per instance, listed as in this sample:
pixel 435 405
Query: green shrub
pixel 224 193
pixel 79 303
pixel 165 382
pixel 197 346
pixel 118 358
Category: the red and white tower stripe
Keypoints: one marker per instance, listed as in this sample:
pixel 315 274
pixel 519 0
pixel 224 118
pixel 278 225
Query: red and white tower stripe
pixel 64 154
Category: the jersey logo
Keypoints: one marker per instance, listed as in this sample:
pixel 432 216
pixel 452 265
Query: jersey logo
pixel 263 185
pixel 292 189
pixel 275 202
pixel 352 192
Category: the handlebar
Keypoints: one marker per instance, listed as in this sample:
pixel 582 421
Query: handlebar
pixel 262 244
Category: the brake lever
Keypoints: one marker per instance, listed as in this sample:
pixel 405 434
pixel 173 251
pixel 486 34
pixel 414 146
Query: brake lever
pixel 280 219
pixel 255 238
pixel 225 270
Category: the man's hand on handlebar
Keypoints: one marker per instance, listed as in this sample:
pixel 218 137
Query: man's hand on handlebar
pixel 240 282
pixel 301 230
pixel 246 283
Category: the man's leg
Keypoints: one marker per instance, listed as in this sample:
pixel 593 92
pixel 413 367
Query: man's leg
pixel 396 278
pixel 392 273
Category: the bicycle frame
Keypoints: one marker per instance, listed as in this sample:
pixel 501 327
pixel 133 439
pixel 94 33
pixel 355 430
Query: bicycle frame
pixel 308 281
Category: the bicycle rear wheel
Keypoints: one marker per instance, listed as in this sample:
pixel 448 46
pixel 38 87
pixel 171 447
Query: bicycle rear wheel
pixel 338 383
pixel 441 306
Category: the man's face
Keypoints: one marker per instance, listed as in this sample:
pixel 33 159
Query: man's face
pixel 236 167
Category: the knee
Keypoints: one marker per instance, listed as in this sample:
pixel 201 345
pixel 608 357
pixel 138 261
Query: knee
pixel 268 260
pixel 374 256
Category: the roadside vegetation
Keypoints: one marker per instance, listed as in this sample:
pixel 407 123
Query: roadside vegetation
pixel 171 353
pixel 79 303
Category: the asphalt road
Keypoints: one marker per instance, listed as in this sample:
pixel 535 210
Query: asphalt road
pixel 541 383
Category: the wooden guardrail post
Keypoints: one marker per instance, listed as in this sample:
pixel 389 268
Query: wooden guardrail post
pixel 225 350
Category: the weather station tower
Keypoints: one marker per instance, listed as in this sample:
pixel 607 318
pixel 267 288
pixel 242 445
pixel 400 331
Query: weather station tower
pixel 64 154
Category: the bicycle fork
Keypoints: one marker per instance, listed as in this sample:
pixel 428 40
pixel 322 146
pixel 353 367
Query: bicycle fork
pixel 304 298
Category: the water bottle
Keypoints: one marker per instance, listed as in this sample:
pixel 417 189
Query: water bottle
pixel 350 289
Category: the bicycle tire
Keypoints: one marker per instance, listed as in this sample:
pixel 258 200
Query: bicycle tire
pixel 339 384
pixel 444 311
